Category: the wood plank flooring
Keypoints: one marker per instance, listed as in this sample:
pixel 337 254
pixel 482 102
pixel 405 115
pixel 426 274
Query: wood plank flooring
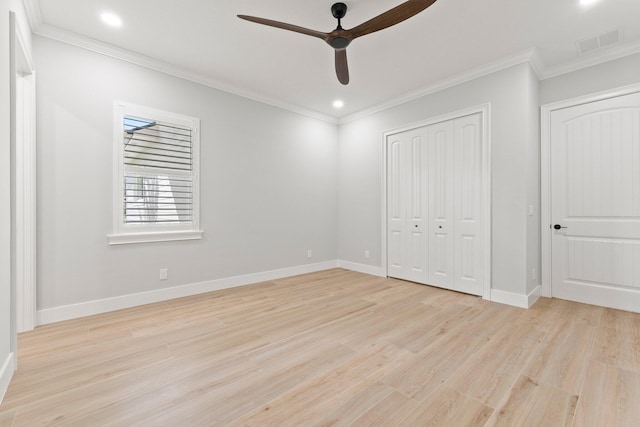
pixel 333 348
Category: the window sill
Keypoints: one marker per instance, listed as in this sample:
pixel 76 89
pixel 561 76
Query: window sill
pixel 165 236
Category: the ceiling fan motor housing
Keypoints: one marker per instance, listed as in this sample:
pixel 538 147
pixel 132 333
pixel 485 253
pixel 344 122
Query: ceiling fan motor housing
pixel 339 10
pixel 339 42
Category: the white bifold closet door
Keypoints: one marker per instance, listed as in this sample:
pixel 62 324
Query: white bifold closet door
pixel 434 202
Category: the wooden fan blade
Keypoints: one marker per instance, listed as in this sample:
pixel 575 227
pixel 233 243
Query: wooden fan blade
pixel 285 26
pixel 342 69
pixel 391 17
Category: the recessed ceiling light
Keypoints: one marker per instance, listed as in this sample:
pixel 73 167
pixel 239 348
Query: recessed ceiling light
pixel 111 19
pixel 588 2
pixel 338 104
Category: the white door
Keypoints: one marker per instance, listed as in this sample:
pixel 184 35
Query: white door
pixel 441 204
pixel 595 202
pixel 407 206
pixel 434 205
pixel 468 205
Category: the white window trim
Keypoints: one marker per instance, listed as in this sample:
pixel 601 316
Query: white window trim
pixel 165 236
pixel 130 233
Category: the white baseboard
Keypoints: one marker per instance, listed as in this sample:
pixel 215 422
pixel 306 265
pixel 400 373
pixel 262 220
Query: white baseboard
pixel 6 373
pixel 73 311
pixel 534 296
pixel 517 300
pixel 362 268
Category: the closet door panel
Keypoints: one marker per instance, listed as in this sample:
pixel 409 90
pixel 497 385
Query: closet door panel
pixel 396 207
pixel 468 205
pixel 441 203
pixel 435 205
pixel 407 206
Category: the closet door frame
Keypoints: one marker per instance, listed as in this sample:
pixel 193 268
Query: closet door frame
pixel 485 118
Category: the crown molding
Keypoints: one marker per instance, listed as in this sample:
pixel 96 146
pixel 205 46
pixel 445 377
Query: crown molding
pixel 530 56
pixel 87 43
pixel 536 62
pixel 593 58
pixel 32 8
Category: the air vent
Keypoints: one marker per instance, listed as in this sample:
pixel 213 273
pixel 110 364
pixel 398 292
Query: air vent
pixel 599 42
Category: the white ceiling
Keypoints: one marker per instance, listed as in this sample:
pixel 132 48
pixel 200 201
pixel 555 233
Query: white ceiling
pixel 204 40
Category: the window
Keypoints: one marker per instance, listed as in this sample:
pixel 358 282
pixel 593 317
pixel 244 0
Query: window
pixel 156 184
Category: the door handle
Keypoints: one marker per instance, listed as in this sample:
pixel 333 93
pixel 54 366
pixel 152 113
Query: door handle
pixel 558 227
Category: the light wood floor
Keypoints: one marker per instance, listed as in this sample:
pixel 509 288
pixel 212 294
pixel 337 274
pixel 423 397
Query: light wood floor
pixel 332 348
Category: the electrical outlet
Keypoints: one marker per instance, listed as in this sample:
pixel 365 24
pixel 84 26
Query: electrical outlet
pixel 309 253
pixel 163 274
pixel 367 254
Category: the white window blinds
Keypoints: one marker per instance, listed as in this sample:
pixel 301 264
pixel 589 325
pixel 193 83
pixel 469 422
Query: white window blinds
pixel 155 144
pixel 156 186
pixel 158 165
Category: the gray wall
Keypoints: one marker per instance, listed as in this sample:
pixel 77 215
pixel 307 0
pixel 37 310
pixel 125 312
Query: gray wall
pixel 609 75
pixel 513 97
pixel 268 182
pixel 274 183
pixel 534 256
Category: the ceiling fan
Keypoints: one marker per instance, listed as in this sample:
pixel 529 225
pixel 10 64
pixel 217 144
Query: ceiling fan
pixel 340 38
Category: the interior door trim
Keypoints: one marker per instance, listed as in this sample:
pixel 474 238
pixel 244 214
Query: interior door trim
pixel 485 112
pixel 545 170
pixel 23 142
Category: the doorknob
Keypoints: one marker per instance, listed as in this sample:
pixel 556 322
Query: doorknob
pixel 558 227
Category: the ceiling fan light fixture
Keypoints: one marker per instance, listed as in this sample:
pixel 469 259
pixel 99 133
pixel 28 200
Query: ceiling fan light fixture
pixel 339 42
